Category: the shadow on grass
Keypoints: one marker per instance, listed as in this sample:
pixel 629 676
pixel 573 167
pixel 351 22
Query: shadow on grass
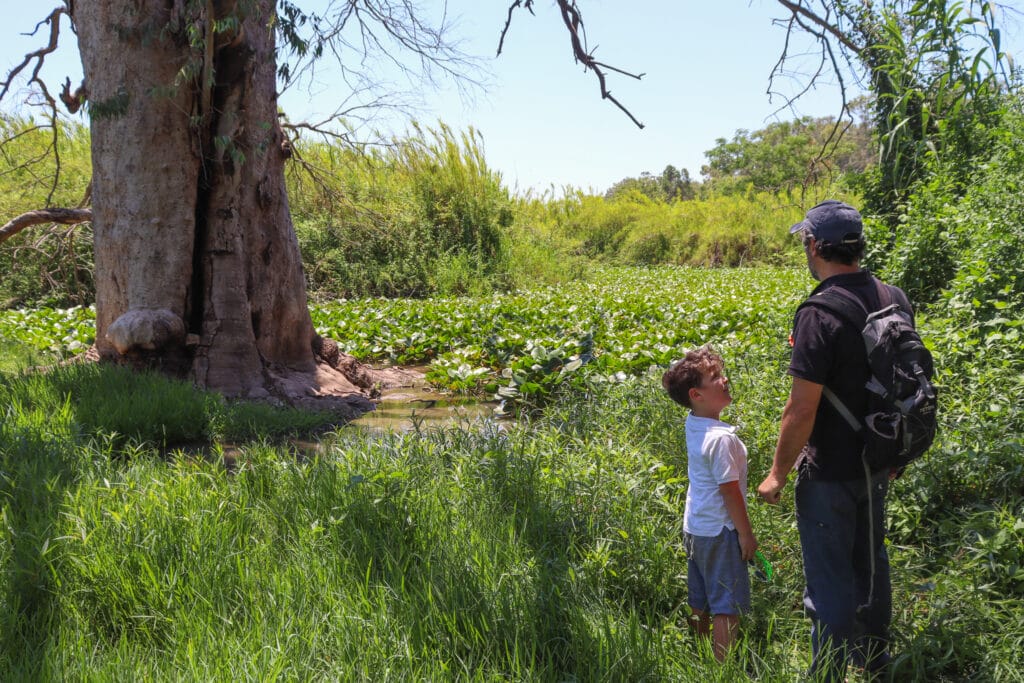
pixel 451 579
pixel 36 468
pixel 51 425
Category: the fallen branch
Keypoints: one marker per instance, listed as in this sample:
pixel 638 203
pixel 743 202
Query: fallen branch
pixel 56 215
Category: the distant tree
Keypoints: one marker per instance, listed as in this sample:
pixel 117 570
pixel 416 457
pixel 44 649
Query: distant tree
pixel 645 185
pixel 676 184
pixel 786 155
pixel 672 185
pixel 857 151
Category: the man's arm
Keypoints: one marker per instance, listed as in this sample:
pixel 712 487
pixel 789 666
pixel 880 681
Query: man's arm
pixel 737 509
pixel 797 423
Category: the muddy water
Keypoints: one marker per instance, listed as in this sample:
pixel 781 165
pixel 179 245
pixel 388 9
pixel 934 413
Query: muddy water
pixel 398 410
pixel 407 409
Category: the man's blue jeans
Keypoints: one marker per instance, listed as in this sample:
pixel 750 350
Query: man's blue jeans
pixel 850 614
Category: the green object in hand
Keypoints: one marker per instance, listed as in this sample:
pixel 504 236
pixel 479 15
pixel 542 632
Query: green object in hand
pixel 764 569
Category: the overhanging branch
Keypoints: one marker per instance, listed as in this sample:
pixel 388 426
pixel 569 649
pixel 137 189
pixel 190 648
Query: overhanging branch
pixel 573 20
pixel 528 5
pixel 53 215
pixel 799 10
pixel 38 56
pixel 35 60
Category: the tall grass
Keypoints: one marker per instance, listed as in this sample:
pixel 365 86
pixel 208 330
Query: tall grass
pixel 92 401
pixel 422 215
pixel 468 553
pixel 418 216
pixel 631 228
pixel 544 551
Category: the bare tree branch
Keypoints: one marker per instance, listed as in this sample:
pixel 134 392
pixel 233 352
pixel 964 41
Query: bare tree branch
pixel 39 56
pixel 574 23
pixel 384 30
pixel 825 29
pixel 35 60
pixel 24 131
pixel 799 10
pixel 573 20
pixel 527 5
pixel 54 215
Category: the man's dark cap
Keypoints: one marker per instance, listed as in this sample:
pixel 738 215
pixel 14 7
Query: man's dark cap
pixel 833 222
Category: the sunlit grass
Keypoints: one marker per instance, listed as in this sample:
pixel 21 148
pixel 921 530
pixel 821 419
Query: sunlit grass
pixel 543 550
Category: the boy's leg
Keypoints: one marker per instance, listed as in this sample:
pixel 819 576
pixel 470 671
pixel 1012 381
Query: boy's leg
pixel 726 584
pixel 700 618
pixel 724 633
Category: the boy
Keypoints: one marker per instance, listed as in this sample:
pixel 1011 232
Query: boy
pixel 717 534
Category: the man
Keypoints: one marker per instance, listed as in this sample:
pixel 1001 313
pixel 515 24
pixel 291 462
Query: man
pixel 840 503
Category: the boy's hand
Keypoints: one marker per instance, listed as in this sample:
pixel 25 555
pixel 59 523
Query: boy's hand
pixel 770 489
pixel 748 546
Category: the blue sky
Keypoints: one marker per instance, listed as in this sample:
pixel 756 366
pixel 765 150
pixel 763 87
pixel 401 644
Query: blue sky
pixel 543 122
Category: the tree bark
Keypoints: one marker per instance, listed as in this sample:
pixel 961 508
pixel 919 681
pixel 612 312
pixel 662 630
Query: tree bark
pixel 198 271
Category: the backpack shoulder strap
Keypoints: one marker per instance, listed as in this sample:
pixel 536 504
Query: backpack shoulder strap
pixel 851 309
pixel 885 294
pixel 843 303
pixel 841 408
pixel 889 295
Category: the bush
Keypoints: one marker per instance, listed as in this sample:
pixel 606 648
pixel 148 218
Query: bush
pixel 967 246
pixel 647 248
pixel 739 229
pixel 423 216
pixel 44 266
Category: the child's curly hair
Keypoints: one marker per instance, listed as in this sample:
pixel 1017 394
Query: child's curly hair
pixel 688 372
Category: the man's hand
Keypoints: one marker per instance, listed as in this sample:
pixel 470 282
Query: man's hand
pixel 770 489
pixel 796 427
pixel 748 546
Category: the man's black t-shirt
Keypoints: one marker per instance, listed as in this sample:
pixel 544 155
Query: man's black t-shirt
pixel 830 351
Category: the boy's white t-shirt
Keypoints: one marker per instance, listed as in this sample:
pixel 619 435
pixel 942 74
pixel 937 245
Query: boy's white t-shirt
pixel 715 455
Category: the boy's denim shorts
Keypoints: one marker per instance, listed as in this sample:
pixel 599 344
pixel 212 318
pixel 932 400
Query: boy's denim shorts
pixel 717 577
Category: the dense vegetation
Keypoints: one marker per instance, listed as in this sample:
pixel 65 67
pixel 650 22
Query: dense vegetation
pixel 44 266
pixel 421 216
pixel 790 155
pixel 537 550
pixel 152 531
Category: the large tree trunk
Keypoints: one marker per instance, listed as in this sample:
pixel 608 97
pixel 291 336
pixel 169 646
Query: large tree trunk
pixel 197 265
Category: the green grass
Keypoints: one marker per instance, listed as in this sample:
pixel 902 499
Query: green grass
pixel 546 551
pixel 143 408
pixel 532 554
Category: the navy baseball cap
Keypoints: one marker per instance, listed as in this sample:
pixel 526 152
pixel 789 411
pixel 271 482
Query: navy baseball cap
pixel 832 221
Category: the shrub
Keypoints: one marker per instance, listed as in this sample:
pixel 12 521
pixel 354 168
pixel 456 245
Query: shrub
pixel 396 221
pixel 49 266
pixel 647 248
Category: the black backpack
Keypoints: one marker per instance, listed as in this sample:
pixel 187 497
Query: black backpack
pixel 900 420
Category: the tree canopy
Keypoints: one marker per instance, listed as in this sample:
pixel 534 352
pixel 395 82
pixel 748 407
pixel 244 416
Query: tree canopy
pixel 786 155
